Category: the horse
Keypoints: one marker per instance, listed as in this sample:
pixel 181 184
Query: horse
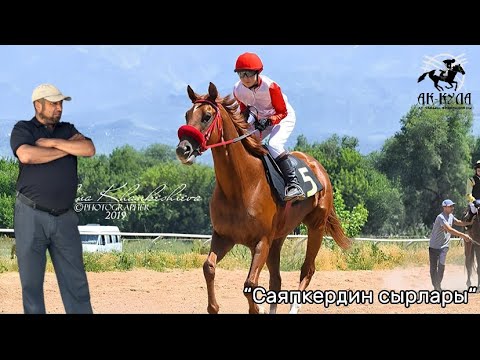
pixel 449 77
pixel 472 250
pixel 243 208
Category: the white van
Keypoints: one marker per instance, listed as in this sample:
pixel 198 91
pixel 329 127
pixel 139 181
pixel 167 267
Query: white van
pixel 96 237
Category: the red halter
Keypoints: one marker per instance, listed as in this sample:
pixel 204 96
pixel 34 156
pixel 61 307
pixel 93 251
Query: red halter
pixel 188 130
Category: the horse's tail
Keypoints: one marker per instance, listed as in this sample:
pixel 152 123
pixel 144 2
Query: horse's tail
pixel 335 230
pixel 422 77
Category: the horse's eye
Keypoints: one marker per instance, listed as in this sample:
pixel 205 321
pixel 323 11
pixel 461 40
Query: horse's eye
pixel 206 117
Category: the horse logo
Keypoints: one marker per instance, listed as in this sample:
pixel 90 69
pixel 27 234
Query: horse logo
pixel 444 70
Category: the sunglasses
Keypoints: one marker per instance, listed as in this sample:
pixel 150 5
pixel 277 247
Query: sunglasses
pixel 246 73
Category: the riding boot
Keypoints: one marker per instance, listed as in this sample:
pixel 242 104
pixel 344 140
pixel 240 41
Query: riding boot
pixel 293 191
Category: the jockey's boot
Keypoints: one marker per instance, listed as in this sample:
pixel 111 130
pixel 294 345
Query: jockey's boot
pixel 293 191
pixel 468 217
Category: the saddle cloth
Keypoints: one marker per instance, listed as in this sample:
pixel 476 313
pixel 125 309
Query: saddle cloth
pixel 306 178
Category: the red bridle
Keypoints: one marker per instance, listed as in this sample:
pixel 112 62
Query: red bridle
pixel 202 138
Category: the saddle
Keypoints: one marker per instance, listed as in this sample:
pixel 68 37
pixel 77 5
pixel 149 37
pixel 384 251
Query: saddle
pixel 306 178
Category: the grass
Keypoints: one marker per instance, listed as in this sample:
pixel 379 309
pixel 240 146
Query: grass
pixel 180 254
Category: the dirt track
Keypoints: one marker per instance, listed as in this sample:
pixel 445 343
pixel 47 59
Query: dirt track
pixel 184 292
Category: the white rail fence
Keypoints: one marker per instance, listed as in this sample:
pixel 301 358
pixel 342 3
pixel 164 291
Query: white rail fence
pixel 190 237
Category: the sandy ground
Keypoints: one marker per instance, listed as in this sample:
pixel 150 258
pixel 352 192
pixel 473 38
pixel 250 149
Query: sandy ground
pixel 184 292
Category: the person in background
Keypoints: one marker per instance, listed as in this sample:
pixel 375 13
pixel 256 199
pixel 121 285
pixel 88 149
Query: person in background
pixel 440 241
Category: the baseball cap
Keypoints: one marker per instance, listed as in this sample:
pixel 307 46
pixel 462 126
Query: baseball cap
pixel 49 92
pixel 447 202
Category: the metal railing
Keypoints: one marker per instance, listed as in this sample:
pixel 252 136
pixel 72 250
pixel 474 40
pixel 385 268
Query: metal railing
pixel 207 238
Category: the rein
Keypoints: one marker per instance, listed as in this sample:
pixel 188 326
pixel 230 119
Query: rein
pixel 232 141
pixel 216 123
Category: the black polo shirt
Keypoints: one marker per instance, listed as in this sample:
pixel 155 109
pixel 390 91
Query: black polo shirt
pixel 53 184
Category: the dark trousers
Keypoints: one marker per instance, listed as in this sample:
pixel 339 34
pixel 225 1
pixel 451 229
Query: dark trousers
pixel 438 259
pixel 36 232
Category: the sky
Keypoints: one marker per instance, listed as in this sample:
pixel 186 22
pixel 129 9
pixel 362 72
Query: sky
pixel 136 94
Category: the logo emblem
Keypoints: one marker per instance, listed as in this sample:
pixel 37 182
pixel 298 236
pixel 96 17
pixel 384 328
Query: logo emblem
pixel 445 70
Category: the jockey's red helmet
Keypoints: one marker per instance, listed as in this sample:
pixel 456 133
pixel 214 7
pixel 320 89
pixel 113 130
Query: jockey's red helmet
pixel 249 61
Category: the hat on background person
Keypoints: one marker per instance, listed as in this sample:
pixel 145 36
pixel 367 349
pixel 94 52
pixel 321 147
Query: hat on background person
pixel 447 202
pixel 49 92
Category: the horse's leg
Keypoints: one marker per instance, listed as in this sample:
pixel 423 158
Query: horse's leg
pixel 476 249
pixel 260 253
pixel 273 263
pixel 456 84
pixel 218 248
pixel 468 261
pixel 439 88
pixel 451 85
pixel 315 237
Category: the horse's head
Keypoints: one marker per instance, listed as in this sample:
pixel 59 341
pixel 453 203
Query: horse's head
pixel 202 119
pixel 458 68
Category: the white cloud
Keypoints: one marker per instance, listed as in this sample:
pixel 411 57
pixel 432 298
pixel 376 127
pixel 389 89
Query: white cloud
pixel 387 67
pixel 126 57
pixel 81 49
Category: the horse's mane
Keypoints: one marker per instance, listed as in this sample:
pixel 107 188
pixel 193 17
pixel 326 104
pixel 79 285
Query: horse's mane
pixel 251 143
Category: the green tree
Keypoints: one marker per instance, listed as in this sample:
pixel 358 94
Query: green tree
pixel 158 153
pixel 352 221
pixel 126 164
pixel 475 152
pixel 359 182
pixel 7 206
pixel 430 157
pixel 94 176
pixel 184 214
pixel 8 178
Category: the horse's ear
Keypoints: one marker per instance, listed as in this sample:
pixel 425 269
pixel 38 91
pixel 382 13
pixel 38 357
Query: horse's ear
pixel 212 92
pixel 191 94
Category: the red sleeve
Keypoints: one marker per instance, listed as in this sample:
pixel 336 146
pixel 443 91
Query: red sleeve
pixel 278 104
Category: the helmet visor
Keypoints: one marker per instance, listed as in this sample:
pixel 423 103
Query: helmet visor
pixel 246 73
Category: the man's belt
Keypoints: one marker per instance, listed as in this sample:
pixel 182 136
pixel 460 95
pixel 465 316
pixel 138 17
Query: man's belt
pixel 34 205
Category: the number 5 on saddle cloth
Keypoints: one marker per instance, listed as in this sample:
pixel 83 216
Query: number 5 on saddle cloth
pixel 306 178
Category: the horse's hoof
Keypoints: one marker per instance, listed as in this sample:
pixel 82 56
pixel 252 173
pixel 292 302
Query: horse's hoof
pixel 261 309
pixel 213 309
pixel 294 308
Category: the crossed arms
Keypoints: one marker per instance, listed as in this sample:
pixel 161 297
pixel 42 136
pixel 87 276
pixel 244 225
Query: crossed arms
pixel 46 150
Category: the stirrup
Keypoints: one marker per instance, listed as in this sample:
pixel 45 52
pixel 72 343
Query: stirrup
pixel 295 191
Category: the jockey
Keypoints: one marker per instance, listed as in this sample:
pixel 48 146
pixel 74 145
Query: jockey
pixel 473 194
pixel 275 116
pixel 448 63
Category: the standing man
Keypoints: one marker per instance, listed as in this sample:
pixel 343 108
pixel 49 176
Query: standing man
pixel 440 240
pixel 47 151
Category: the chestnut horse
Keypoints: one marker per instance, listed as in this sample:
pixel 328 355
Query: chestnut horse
pixel 243 208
